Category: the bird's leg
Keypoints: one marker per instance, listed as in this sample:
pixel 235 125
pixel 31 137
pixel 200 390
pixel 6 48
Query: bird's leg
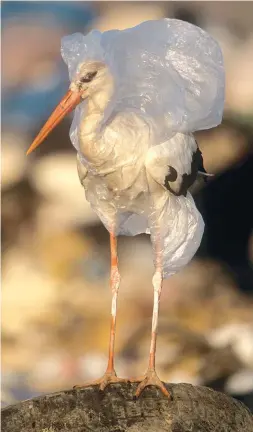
pixel 110 374
pixel 151 377
pixel 114 282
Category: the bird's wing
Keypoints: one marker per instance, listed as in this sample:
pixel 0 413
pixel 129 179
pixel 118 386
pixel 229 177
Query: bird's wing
pixel 175 163
pixel 168 70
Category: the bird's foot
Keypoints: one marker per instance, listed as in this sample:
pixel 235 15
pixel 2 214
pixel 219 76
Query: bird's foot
pixel 150 379
pixel 108 378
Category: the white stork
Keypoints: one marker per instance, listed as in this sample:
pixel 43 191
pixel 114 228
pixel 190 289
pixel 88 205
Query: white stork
pixel 147 89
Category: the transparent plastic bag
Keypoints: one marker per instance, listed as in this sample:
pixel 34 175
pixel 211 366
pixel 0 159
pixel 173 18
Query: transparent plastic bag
pixel 169 69
pixel 171 74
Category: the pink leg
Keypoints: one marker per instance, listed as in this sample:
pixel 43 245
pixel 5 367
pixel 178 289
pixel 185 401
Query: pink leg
pixel 114 282
pixel 151 377
pixel 110 374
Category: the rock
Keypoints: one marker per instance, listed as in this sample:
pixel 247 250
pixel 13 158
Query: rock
pixel 195 409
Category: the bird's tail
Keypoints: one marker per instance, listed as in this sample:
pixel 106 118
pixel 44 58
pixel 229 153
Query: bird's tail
pixel 176 231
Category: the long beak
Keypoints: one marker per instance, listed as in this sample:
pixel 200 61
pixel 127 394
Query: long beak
pixel 66 105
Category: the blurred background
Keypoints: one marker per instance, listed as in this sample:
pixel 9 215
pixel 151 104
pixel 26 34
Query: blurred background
pixel 55 252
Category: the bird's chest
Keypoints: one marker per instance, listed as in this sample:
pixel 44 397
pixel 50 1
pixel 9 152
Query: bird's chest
pixel 117 156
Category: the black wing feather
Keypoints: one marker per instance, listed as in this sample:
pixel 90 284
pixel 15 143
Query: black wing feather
pixel 197 164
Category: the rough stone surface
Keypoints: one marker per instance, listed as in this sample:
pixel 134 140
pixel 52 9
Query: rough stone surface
pixel 195 409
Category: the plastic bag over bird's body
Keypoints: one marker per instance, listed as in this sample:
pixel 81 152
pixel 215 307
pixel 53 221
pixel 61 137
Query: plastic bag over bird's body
pixel 168 81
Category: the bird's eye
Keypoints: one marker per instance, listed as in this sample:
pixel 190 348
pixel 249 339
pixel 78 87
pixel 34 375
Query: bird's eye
pixel 88 77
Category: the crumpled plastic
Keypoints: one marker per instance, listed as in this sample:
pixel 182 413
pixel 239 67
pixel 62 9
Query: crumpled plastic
pixel 169 69
pixel 172 74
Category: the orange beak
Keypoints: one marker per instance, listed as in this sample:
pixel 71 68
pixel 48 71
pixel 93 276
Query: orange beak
pixel 66 105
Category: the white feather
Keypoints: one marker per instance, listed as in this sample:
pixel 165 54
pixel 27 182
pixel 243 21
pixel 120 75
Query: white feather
pixel 156 83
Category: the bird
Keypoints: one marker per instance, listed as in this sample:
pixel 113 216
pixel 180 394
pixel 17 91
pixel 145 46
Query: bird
pixel 139 94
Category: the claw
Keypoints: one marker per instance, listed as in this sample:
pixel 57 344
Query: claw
pixel 151 379
pixel 104 381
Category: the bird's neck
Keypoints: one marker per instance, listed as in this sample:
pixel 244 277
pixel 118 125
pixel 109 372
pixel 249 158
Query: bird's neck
pixel 95 115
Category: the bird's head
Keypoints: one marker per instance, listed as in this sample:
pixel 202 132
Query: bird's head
pixel 91 77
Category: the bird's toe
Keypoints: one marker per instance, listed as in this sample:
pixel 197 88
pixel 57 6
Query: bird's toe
pixel 104 381
pixel 151 379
